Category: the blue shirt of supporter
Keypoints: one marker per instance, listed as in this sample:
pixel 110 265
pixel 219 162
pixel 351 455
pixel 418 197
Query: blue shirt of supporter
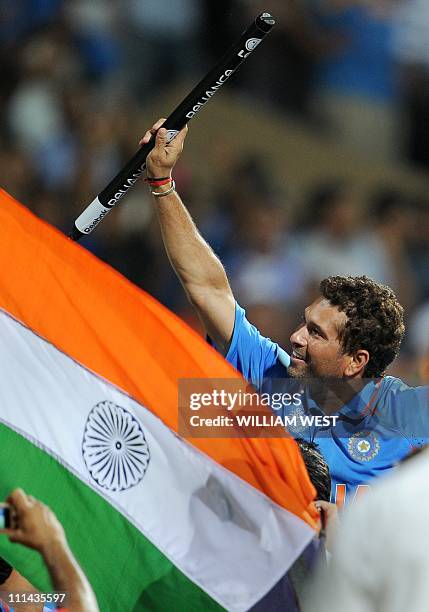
pixel 376 429
pixel 364 66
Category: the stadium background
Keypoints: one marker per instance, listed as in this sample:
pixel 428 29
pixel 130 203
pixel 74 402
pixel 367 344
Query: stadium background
pixel 313 160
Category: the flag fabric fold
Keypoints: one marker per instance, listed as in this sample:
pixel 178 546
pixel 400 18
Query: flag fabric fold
pixel 88 423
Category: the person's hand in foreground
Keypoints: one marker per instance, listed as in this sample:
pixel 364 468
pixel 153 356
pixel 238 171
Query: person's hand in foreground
pixel 36 526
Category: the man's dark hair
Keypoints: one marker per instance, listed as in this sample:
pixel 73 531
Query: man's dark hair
pixel 375 319
pixel 317 468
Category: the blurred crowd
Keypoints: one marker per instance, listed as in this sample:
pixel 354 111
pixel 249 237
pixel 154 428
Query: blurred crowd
pixel 76 79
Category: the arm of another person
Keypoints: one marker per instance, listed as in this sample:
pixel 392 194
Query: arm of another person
pixel 196 265
pixel 39 528
pixel 12 584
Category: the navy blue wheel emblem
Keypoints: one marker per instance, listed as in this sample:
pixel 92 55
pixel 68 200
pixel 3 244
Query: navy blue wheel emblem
pixel 114 447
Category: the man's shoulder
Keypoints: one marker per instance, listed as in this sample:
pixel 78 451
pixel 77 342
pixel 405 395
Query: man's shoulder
pixel 404 409
pixel 393 386
pixel 247 338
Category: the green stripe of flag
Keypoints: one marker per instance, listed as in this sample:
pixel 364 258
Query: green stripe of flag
pixel 126 571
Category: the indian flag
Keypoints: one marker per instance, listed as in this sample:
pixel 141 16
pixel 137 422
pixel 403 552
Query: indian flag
pixel 89 368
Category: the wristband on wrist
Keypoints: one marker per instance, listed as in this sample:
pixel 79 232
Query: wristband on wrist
pixel 161 194
pixel 157 182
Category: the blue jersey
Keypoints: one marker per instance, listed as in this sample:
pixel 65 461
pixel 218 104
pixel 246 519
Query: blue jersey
pixel 376 429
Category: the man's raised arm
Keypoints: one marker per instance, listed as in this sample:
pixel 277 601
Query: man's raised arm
pixel 198 268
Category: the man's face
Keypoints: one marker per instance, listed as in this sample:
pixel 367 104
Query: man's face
pixel 316 347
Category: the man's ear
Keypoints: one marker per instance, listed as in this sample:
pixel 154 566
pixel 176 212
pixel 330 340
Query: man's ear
pixel 357 363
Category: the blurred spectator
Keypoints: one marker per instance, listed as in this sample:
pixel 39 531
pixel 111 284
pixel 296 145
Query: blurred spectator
pixel 267 268
pixel 412 52
pixel 291 55
pixel 393 226
pixel 35 112
pixel 251 229
pixel 162 42
pixel 356 92
pixel 418 246
pixel 424 369
pixel 18 19
pixel 337 241
pixel 419 341
pixel 100 149
pixel 266 273
pixel 419 330
pixel 93 24
pixel 17 174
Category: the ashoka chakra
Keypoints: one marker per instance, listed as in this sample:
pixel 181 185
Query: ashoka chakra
pixel 114 448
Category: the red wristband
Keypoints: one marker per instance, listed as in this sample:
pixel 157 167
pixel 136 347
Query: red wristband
pixel 157 182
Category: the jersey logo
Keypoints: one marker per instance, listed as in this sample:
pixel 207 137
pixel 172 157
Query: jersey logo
pixel 363 446
pixel 341 493
pixel 297 427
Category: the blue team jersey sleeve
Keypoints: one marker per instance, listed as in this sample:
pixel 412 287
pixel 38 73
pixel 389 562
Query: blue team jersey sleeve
pixel 255 356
